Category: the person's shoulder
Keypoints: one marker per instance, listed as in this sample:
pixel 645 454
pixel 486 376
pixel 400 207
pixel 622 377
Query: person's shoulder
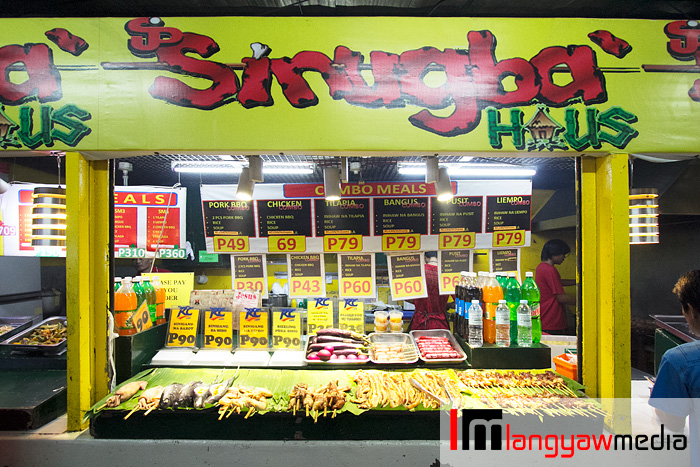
pixel 685 354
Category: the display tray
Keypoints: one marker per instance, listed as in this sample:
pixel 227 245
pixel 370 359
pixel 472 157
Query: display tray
pixel 676 325
pixel 335 363
pixel 17 324
pixel 13 342
pixel 440 333
pixel 406 350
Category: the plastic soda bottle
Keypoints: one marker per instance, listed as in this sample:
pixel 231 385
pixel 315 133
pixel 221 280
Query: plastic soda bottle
pixel 476 337
pixel 459 305
pixel 530 292
pixel 512 297
pixel 117 283
pixel 502 324
pixel 140 292
pixel 124 308
pixel 492 294
pixel 524 325
pixel 502 278
pixel 150 297
pixel 160 299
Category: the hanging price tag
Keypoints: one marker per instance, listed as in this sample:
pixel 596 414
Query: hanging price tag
pixel 306 274
pixel 451 263
pixel 351 315
pixel 253 333
pixel 305 286
pixel 286 329
pixel 182 329
pixel 357 287
pixel 319 314
pixel 508 238
pixel 342 243
pixel 456 240
pixel 218 329
pixel 356 275
pixel 131 253
pixel 142 318
pixel 407 276
pixel 400 242
pixel 407 288
pixel 249 272
pixel 448 282
pixel 231 244
pixel 286 244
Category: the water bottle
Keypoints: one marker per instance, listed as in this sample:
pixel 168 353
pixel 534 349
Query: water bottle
pixel 502 324
pixel 524 325
pixel 531 293
pixel 512 296
pixel 476 329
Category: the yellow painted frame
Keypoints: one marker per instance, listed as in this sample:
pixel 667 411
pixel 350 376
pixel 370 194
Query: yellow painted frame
pixel 88 260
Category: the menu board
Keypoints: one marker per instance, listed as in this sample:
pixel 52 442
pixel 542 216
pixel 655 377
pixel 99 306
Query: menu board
pixel 508 213
pixel 450 264
pixel 346 216
pixel 284 217
pixel 400 216
pixel 228 217
pixel 306 276
pixel 460 214
pixel 249 272
pixel 507 260
pixel 356 275
pixel 407 276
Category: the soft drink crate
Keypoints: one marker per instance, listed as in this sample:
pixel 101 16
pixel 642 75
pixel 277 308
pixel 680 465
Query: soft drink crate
pixel 567 365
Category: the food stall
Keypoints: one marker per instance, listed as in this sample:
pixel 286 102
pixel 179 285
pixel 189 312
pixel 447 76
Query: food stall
pixel 142 99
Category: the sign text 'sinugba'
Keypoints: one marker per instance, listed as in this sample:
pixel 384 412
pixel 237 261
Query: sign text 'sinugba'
pixel 473 78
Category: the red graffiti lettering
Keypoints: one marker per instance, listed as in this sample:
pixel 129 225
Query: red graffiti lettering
pixel 43 82
pixel 684 41
pixel 147 37
pixel 610 44
pixel 257 79
pixel 224 81
pixel 289 73
pixel 385 92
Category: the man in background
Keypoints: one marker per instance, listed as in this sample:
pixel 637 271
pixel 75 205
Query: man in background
pixel 553 299
pixel 430 312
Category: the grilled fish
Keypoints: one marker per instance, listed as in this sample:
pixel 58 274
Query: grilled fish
pixel 170 394
pixel 186 396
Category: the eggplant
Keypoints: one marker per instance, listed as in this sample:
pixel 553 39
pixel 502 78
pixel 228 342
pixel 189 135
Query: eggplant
pixel 346 352
pixel 186 396
pixel 324 339
pixel 336 346
pixel 341 333
pixel 170 394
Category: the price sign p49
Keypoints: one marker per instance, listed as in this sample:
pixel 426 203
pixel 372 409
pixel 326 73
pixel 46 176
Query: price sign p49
pixel 231 244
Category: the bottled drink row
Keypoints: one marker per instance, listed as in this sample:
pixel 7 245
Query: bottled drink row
pixel 131 294
pixel 497 309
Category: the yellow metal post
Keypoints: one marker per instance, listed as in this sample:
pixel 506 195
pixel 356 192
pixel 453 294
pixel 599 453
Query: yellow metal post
pixel 605 276
pixel 88 258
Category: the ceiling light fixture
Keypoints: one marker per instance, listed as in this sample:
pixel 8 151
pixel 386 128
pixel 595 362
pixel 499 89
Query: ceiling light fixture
pixel 471 170
pixel 431 169
pixel 255 166
pixel 228 167
pixel 331 183
pixel 443 186
pixel 644 216
pixel 244 190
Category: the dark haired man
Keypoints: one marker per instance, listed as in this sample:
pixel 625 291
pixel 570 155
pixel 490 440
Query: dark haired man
pixel 677 386
pixel 430 311
pixel 553 299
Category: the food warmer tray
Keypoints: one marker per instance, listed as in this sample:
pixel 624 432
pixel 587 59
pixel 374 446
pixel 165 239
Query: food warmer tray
pixel 409 350
pixel 47 349
pixel 440 333
pixel 676 325
pixel 18 324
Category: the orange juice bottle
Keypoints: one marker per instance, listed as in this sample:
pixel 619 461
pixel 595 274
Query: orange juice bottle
pixel 491 295
pixel 124 308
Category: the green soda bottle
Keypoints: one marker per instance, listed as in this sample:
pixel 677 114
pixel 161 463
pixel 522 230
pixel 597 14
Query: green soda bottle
pixel 531 293
pixel 140 293
pixel 151 298
pixel 512 297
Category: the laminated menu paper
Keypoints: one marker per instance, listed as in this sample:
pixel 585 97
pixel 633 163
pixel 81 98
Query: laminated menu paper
pixel 231 300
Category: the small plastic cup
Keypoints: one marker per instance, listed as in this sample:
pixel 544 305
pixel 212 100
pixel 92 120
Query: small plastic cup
pixel 381 320
pixel 396 321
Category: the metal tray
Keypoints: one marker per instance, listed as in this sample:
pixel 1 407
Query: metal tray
pixel 329 363
pixel 18 323
pixel 409 351
pixel 47 349
pixel 677 325
pixel 440 333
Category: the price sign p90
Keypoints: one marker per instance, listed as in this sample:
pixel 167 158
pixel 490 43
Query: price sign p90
pixel 508 238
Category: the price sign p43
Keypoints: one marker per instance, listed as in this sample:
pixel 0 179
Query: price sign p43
pixel 508 238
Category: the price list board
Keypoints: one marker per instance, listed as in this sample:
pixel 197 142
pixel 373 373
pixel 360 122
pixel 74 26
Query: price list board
pixel 230 218
pixel 357 275
pixel 346 217
pixel 125 226
pixel 507 260
pixel 508 213
pixel 451 263
pixel 460 214
pixel 401 216
pixel 249 272
pixel 306 276
pixel 162 228
pixel 288 217
pixel 407 276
